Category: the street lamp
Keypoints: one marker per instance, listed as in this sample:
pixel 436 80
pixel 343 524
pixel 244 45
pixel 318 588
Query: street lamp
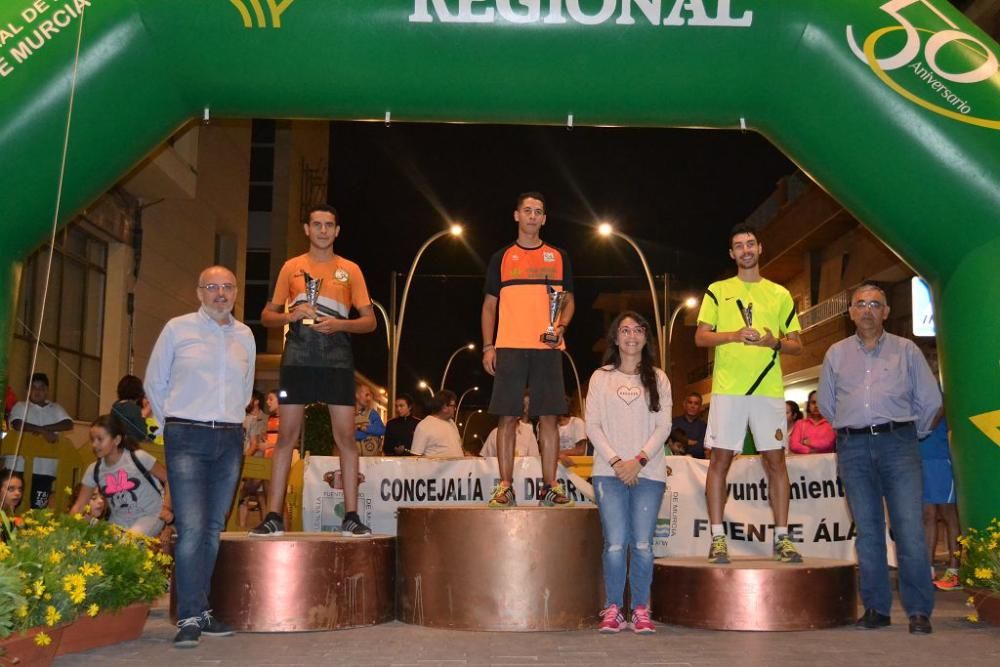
pixel 470 346
pixel 462 398
pixel 579 389
pixel 469 421
pixel 605 229
pixel 689 302
pixel 388 325
pixel 454 231
pixel 424 385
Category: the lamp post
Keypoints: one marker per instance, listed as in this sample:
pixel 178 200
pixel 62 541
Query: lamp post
pixel 424 385
pixel 388 324
pixel 605 229
pixel 689 302
pixel 462 398
pixel 444 376
pixel 469 421
pixel 455 231
pixel 579 389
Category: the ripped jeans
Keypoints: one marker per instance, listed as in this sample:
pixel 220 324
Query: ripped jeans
pixel 628 517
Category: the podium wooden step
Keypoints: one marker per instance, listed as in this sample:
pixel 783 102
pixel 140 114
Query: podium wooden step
pixel 754 594
pixel 304 581
pixel 518 569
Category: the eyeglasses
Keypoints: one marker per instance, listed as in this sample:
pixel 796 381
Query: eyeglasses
pixel 871 305
pixel 631 331
pixel 215 288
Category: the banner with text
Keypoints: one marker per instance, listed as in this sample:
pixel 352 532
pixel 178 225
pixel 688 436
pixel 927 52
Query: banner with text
pixel 820 522
pixel 391 482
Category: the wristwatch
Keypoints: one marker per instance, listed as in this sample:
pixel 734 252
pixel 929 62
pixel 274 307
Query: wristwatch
pixel 642 459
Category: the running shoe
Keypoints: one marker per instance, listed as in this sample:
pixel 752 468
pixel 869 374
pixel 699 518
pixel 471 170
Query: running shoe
pixel 189 634
pixel 271 526
pixel 641 625
pixel 949 581
pixel 785 551
pixel 555 496
pixel 612 620
pixel 213 627
pixel 503 497
pixel 718 553
pixel 352 527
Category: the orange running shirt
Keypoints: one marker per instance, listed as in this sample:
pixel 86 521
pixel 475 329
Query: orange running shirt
pixel 518 276
pixel 343 285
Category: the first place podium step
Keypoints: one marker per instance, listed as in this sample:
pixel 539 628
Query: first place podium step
pixel 304 581
pixel 517 569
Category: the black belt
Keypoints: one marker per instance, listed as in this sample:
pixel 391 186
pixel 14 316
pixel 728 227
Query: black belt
pixel 874 429
pixel 211 424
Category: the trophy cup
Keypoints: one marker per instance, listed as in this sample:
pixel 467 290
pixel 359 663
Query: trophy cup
pixel 746 312
pixel 556 302
pixel 312 295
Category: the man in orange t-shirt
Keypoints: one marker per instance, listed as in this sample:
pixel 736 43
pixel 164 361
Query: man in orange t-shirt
pixel 521 357
pixel 317 365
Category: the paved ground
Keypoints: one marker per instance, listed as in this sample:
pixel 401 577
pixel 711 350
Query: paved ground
pixel 954 642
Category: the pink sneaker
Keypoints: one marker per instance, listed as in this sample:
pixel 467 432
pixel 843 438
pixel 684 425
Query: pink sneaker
pixel 641 625
pixel 612 620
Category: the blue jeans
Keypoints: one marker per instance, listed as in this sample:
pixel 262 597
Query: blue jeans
pixel 203 467
pixel 628 517
pixel 888 466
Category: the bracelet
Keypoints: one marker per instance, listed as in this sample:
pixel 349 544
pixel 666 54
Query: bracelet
pixel 615 461
pixel 488 346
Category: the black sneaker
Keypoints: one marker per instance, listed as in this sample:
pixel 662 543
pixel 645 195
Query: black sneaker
pixel 189 634
pixel 272 525
pixel 354 528
pixel 213 627
pixel 872 620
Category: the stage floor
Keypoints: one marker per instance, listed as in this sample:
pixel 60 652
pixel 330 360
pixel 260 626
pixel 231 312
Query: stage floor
pixel 954 642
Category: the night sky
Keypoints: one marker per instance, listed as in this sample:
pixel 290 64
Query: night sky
pixel 677 192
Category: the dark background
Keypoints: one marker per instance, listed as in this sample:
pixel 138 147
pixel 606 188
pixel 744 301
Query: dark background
pixel 677 192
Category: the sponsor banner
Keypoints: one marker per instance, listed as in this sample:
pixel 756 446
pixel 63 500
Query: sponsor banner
pixel 393 482
pixel 820 523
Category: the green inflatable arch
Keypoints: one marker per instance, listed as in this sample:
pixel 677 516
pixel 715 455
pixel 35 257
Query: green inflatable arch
pixel 893 107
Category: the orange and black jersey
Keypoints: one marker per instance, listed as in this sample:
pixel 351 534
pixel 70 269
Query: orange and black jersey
pixel 518 276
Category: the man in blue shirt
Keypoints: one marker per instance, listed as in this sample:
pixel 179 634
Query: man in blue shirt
pixel 694 428
pixel 880 395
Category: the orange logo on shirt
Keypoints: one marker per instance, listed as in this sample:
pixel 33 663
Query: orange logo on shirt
pixel 778 435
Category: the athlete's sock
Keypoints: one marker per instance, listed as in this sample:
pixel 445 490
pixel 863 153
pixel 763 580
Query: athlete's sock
pixel 779 531
pixel 717 529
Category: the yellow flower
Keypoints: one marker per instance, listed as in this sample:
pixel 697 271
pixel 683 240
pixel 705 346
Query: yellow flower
pixel 4 551
pixel 973 618
pixel 55 557
pixel 42 639
pixel 22 611
pixel 68 491
pixel 147 566
pixel 93 610
pixel 970 582
pixel 47 597
pixel 91 570
pixel 38 588
pixel 970 601
pixel 78 516
pixel 52 616
pixel 983 573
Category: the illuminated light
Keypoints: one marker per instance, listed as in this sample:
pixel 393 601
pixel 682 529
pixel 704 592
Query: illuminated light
pixel 605 229
pixel 456 230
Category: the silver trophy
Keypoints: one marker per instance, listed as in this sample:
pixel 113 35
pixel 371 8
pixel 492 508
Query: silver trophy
pixel 312 295
pixel 557 300
pixel 746 312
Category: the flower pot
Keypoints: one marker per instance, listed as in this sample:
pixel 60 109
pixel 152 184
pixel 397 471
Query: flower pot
pixel 20 648
pixel 106 628
pixel 987 605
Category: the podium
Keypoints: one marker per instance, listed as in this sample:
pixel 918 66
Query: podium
pixel 754 594
pixel 518 569
pixel 304 581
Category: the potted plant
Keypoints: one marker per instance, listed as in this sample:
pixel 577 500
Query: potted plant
pixel 80 576
pixel 980 572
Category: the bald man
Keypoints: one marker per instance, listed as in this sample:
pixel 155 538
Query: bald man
pixel 199 381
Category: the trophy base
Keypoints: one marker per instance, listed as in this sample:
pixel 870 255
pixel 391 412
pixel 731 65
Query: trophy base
pixel 550 338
